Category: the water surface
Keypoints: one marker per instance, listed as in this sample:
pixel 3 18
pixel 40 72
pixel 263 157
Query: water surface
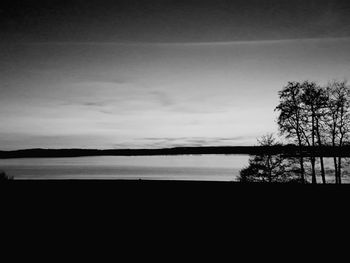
pixel 179 167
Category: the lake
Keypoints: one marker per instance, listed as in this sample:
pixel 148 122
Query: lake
pixel 177 167
pixel 209 167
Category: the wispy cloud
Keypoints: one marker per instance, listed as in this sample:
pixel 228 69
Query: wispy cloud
pixel 163 98
pixel 207 43
pixel 94 104
pixel 196 141
pixel 117 97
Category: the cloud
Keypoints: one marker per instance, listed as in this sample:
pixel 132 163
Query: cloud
pixel 117 97
pixel 95 104
pixel 197 108
pixel 344 29
pixel 166 142
pixel 196 141
pixel 163 98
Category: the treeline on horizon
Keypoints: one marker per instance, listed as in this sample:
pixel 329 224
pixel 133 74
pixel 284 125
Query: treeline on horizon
pixel 312 117
pixel 289 150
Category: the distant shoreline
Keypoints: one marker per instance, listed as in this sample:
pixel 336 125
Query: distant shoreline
pixel 288 150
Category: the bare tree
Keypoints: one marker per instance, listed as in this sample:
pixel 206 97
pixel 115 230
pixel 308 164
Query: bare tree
pixel 290 118
pixel 338 120
pixel 314 102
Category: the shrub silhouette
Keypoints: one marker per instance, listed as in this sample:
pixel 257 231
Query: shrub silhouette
pixel 270 168
pixel 4 176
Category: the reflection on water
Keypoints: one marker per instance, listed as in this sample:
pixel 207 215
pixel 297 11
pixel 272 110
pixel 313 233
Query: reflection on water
pixel 329 170
pixel 278 168
pixel 180 167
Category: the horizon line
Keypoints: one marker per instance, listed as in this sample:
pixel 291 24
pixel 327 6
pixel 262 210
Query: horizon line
pixel 165 148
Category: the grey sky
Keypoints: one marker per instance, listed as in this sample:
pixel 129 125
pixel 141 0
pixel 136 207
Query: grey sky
pixel 173 20
pixel 180 72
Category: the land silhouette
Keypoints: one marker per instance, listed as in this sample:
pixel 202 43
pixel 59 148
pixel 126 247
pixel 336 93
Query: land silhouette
pixel 289 150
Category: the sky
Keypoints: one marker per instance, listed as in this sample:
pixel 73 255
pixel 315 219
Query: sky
pixel 153 74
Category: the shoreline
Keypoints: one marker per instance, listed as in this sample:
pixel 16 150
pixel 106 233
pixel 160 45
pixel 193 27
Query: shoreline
pixel 287 150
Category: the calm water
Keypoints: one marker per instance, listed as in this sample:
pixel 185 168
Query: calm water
pixel 182 167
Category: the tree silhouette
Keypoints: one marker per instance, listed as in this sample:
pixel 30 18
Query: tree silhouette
pixel 313 102
pixel 267 167
pixel 314 117
pixel 4 176
pixel 290 118
pixel 338 119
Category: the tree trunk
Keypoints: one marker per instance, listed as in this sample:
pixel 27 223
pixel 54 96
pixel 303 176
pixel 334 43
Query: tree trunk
pixel 302 170
pixel 334 158
pixel 313 147
pixel 301 159
pixel 335 169
pixel 339 170
pixel 313 174
pixel 323 175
